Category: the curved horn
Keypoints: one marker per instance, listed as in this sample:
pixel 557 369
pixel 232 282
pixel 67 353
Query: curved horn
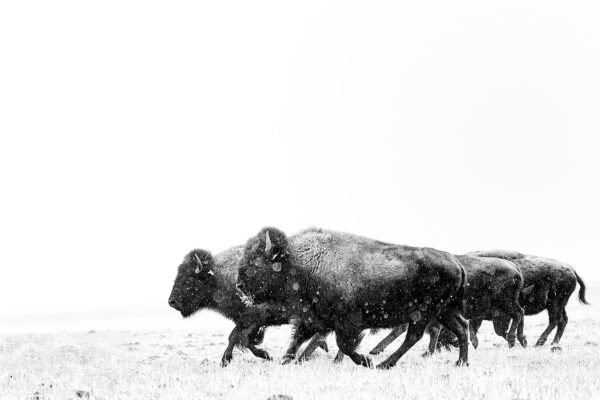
pixel 198 259
pixel 268 245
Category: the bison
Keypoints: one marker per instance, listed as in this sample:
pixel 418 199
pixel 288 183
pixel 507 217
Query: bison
pixel 334 281
pixel 548 285
pixel 207 282
pixel 493 287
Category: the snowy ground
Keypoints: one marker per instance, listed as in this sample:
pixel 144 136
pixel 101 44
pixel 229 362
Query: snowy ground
pixel 184 363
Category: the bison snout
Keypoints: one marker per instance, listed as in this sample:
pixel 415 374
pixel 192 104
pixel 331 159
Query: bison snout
pixel 173 303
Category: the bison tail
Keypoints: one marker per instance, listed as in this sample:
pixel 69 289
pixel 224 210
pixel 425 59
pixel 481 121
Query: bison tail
pixel 582 299
pixel 463 288
pixel 459 297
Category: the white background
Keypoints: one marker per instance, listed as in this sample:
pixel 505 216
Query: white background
pixel 133 132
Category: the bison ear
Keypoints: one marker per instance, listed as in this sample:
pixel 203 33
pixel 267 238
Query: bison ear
pixel 527 290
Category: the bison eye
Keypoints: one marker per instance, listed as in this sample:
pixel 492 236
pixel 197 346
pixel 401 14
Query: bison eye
pixel 277 257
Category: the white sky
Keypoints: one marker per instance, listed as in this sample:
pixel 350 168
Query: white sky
pixel 132 132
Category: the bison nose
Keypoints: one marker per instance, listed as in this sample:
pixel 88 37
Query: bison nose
pixel 173 303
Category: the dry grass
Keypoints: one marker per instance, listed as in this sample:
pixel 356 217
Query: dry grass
pixel 185 365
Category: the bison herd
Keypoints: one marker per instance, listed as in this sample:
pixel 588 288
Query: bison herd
pixel 323 281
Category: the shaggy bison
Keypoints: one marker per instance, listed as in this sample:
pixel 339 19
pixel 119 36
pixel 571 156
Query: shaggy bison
pixel 493 287
pixel 207 282
pixel 548 285
pixel 333 281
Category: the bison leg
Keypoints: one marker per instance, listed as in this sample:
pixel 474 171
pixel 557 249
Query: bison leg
pixel 474 325
pixel 553 317
pixel 242 337
pixel 501 323
pixel 339 357
pixel 260 353
pixel 446 339
pixel 520 335
pixel 434 333
pixel 517 315
pixel 234 338
pixel 348 339
pixel 562 324
pixel 322 343
pixel 413 335
pixel 509 306
pixel 301 334
pixel 316 341
pixel 455 323
pixel 397 331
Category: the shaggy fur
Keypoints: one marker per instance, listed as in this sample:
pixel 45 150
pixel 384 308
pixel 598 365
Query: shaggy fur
pixel 493 287
pixel 345 283
pixel 210 284
pixel 548 285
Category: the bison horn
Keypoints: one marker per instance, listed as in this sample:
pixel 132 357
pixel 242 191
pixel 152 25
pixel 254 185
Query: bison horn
pixel 198 259
pixel 268 246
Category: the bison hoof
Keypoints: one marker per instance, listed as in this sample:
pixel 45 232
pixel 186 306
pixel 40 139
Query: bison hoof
pixel 475 343
pixel 375 351
pixel 540 343
pixel 265 355
pixel 225 361
pixel 461 363
pixel 339 357
pixel 366 361
pixel 523 341
pixel 511 339
pixel 287 359
pixel 323 345
pixel 426 354
pixel 385 365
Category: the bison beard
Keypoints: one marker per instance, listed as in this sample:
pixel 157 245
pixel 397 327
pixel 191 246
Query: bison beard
pixel 333 281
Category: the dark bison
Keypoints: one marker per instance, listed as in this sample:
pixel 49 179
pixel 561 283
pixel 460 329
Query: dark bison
pixel 340 282
pixel 493 287
pixel 548 285
pixel 207 282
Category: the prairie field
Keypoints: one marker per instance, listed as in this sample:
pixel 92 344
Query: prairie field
pixel 184 364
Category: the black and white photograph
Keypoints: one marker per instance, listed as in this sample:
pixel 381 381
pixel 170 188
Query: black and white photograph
pixel 276 200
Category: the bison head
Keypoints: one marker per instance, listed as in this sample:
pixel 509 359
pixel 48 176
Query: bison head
pixel 267 267
pixel 195 283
